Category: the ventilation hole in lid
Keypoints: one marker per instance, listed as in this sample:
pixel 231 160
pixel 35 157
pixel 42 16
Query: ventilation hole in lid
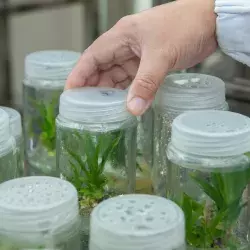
pixel 128 212
pixel 142 227
pixel 132 201
pixel 141 210
pixel 147 206
pixel 123 218
pixel 163 213
pixel 149 219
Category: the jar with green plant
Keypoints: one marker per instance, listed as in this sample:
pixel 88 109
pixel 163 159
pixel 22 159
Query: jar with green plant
pixel 39 213
pixel 180 93
pixel 46 73
pixel 96 146
pixel 208 177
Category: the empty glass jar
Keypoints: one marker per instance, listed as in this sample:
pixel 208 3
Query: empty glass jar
pixel 137 222
pixel 17 132
pixel 96 145
pixel 180 93
pixel 209 176
pixel 45 76
pixel 8 158
pixel 39 213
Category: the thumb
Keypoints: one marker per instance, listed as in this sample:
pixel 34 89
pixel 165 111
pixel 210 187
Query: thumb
pixel 150 75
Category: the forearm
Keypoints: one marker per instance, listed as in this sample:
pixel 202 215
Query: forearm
pixel 233 28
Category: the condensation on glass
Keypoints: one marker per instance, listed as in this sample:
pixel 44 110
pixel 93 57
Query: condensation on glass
pixel 180 93
pixel 39 213
pixel 8 157
pixel 17 132
pixel 209 176
pixel 96 145
pixel 137 222
pixel 45 76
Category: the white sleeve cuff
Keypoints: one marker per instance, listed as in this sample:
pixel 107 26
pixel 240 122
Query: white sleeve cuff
pixel 233 28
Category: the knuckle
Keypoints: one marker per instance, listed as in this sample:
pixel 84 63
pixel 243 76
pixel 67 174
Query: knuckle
pixel 127 22
pixel 147 84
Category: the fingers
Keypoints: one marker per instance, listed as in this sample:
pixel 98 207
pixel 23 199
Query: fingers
pixel 107 50
pixel 150 75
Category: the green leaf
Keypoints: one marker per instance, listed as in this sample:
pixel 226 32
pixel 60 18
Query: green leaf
pixel 212 192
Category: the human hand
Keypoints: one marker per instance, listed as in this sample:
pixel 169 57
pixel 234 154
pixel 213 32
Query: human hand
pixel 144 47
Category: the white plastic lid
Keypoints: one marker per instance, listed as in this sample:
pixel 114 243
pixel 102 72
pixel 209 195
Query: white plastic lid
pixel 186 91
pixel 51 64
pixel 36 204
pixel 211 133
pixel 4 126
pixel 94 105
pixel 137 222
pixel 15 121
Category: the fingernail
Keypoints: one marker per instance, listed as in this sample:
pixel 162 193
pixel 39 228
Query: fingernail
pixel 137 105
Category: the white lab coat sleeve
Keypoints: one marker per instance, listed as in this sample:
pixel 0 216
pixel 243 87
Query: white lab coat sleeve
pixel 233 28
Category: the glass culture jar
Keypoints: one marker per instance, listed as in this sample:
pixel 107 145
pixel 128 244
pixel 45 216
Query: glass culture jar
pixel 144 152
pixel 45 76
pixel 17 132
pixel 137 222
pixel 39 213
pixel 96 145
pixel 180 93
pixel 209 176
pixel 8 159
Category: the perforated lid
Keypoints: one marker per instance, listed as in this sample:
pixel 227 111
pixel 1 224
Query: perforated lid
pixel 183 92
pixel 36 204
pixel 4 126
pixel 94 105
pixel 211 133
pixel 51 64
pixel 15 121
pixel 136 222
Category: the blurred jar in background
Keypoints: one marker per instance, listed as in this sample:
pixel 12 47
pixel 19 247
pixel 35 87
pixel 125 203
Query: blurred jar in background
pixel 180 93
pixel 45 76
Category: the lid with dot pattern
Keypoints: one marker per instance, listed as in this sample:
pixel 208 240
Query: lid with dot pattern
pixel 94 105
pixel 211 133
pixel 37 204
pixel 15 121
pixel 137 222
pixel 189 91
pixel 51 64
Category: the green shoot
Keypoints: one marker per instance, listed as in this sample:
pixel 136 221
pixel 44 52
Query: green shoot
pixel 209 224
pixel 46 123
pixel 87 162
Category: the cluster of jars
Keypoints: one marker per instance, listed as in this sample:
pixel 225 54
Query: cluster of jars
pixel 183 168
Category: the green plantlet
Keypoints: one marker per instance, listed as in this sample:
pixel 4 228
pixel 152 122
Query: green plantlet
pixel 210 223
pixel 87 165
pixel 46 123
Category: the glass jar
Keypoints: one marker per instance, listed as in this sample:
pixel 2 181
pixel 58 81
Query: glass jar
pixel 17 132
pixel 39 213
pixel 144 152
pixel 96 145
pixel 137 222
pixel 8 159
pixel 180 93
pixel 46 73
pixel 209 176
